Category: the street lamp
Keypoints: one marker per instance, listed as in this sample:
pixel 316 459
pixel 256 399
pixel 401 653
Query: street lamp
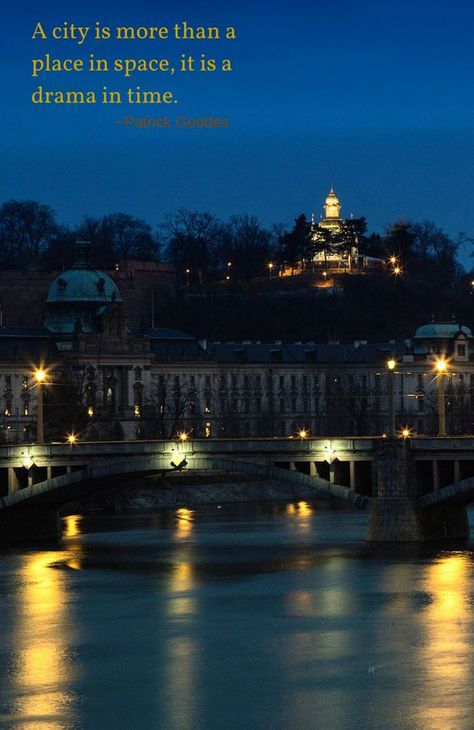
pixel 303 433
pixel 188 271
pixel 270 269
pixel 71 439
pixel 40 377
pixel 182 436
pixel 391 365
pixel 441 366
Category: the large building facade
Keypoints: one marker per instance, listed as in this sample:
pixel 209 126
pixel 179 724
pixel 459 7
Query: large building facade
pixel 155 383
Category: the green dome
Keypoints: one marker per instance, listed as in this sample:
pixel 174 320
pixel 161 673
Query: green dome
pixel 78 299
pixel 83 285
pixel 443 330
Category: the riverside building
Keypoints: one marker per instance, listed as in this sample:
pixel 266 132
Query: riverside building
pixel 122 382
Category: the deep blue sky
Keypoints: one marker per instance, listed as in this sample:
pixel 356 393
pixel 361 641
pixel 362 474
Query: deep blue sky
pixel 373 97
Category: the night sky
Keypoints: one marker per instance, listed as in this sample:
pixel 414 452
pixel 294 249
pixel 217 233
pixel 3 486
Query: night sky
pixel 372 97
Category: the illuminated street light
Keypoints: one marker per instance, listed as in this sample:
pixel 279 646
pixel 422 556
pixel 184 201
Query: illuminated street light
pixel 393 259
pixel 39 375
pixel 270 269
pixel 405 432
pixel 397 270
pixel 303 433
pixel 441 367
pixel 391 365
pixel 72 439
pixel 188 271
pixel 182 436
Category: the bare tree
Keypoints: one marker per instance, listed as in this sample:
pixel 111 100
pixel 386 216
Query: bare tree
pixel 25 228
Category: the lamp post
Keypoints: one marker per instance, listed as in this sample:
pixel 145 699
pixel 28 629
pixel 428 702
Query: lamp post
pixel 441 368
pixel 40 377
pixel 270 269
pixel 391 365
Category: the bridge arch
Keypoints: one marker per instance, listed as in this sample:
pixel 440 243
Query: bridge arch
pixel 67 487
pixel 460 492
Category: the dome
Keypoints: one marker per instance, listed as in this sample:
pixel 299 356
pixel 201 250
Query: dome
pixel 441 330
pixel 83 284
pixel 332 198
pixel 78 299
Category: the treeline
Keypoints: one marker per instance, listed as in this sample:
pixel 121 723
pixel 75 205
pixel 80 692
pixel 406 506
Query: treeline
pixel 205 249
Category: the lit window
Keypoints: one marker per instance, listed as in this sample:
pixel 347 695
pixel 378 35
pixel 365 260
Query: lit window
pixel 90 411
pixel 208 430
pixel 136 411
pixel 26 411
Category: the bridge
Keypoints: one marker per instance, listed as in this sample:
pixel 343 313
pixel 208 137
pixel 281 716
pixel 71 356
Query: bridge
pixel 415 489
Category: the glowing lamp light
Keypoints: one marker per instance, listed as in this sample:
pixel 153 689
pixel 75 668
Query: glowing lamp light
pixel 397 270
pixel 72 439
pixel 393 259
pixel 182 436
pixel 441 365
pixel 303 433
pixel 40 375
pixel 405 433
pixel 391 364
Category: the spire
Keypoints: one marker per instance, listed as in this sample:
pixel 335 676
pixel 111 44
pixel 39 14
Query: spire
pixel 332 207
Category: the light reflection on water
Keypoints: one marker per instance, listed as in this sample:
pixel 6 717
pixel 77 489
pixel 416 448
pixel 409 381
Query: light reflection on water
pixel 258 616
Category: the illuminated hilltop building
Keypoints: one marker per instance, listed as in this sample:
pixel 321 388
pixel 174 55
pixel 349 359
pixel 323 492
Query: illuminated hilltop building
pixel 335 241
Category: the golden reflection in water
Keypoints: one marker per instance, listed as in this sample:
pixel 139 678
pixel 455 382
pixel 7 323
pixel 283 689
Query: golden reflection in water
pixel 44 639
pixel 72 525
pixel 184 522
pixel 182 661
pixel 303 512
pixel 445 656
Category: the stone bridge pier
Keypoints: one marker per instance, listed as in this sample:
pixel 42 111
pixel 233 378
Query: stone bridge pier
pixel 394 511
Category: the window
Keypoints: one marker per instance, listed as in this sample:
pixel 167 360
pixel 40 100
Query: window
pixel 25 383
pixel 208 430
pixel 282 382
pixel 8 408
pixel 234 381
pixel 461 350
pixel 282 405
pixel 207 381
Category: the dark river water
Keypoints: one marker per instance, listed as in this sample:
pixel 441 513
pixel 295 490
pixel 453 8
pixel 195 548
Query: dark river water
pixel 246 616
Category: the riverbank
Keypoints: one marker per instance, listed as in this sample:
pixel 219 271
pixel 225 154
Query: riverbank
pixel 185 490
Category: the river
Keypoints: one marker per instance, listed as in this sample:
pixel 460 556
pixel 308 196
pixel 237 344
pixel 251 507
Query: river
pixel 262 616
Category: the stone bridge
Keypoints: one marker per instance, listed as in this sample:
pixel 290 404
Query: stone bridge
pixel 415 489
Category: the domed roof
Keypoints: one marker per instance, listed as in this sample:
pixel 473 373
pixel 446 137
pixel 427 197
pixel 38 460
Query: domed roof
pixel 83 284
pixel 443 330
pixel 332 198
